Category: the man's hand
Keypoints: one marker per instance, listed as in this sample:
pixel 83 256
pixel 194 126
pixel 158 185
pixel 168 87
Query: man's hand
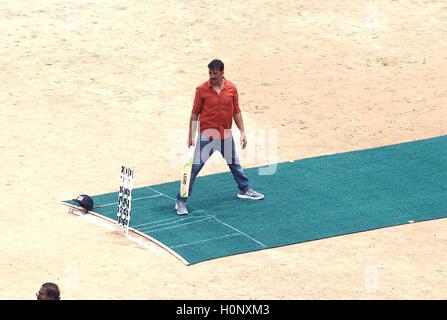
pixel 243 140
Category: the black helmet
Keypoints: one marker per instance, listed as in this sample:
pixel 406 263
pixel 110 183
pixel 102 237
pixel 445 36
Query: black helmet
pixel 85 201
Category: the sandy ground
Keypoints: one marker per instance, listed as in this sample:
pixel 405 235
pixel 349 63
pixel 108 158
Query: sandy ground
pixel 88 86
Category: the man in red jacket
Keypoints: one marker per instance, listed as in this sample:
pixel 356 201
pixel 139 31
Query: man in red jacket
pixel 216 104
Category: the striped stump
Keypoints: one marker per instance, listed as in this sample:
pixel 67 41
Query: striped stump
pixel 125 197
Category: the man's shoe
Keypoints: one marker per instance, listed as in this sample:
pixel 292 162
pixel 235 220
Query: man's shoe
pixel 250 194
pixel 180 206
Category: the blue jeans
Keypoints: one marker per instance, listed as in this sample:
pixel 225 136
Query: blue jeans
pixel 204 150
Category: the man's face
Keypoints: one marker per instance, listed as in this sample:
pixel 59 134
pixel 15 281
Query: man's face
pixel 42 294
pixel 216 76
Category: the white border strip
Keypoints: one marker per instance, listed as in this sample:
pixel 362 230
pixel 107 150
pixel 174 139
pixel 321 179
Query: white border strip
pixel 207 240
pixel 135 231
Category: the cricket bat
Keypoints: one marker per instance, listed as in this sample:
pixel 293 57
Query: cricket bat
pixel 186 173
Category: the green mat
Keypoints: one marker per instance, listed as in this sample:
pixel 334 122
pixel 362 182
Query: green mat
pixel 305 200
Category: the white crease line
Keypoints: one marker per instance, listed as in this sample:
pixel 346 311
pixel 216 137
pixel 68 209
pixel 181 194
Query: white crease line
pixel 156 221
pixel 107 205
pixel 163 220
pixel 155 195
pixel 180 225
pixel 176 221
pixel 226 224
pixel 235 229
pixel 115 203
pixel 206 240
pixel 160 193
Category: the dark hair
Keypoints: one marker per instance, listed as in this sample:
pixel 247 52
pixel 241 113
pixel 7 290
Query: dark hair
pixel 216 64
pixel 52 290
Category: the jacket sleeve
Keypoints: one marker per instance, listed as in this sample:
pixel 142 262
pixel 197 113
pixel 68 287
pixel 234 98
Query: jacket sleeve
pixel 198 102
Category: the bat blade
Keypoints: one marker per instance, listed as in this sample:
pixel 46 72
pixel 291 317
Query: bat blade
pixel 186 173
pixel 187 167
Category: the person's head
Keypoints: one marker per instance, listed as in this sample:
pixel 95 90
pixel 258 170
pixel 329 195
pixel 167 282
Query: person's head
pixel 48 291
pixel 216 71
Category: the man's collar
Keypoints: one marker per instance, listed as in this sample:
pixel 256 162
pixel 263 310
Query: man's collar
pixel 225 83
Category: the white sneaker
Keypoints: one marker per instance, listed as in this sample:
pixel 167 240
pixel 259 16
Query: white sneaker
pixel 180 206
pixel 250 194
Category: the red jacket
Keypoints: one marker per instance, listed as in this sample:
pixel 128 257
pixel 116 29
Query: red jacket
pixel 216 110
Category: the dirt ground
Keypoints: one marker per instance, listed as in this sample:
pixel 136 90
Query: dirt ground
pixel 88 86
